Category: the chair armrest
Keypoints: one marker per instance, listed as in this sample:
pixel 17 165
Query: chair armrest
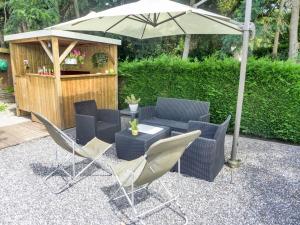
pixel 85 126
pixel 204 140
pixel 201 145
pixel 109 115
pixel 147 112
pixel 208 130
pixel 205 118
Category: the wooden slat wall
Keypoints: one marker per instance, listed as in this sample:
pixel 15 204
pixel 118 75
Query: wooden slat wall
pixel 101 88
pixel 36 94
pixel 32 52
pixel 42 97
pixel 22 93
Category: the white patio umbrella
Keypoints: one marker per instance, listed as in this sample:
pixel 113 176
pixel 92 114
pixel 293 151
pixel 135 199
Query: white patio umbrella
pixel 156 18
pixel 153 18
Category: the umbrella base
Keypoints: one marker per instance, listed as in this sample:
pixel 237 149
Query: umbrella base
pixel 235 163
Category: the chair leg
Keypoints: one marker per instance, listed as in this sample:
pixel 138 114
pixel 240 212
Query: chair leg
pixel 72 177
pixel 127 195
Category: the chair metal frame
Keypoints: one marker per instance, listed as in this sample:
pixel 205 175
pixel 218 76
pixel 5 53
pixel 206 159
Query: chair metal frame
pixel 73 177
pixel 130 195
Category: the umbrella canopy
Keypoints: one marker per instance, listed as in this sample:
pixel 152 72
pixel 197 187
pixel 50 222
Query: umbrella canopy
pixel 153 18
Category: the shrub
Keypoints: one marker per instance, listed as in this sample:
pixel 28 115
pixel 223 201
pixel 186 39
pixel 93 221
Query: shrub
pixel 272 94
pixel 3 107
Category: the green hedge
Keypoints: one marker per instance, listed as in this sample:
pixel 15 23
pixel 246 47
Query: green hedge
pixel 272 95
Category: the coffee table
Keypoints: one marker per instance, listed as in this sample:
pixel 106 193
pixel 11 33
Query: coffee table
pixel 130 147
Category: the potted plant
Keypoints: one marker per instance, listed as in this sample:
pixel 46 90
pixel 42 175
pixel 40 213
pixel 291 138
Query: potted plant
pixel 133 102
pixel 134 127
pixel 99 59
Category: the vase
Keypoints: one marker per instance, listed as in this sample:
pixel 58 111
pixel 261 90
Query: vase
pixel 71 61
pixel 134 132
pixel 133 107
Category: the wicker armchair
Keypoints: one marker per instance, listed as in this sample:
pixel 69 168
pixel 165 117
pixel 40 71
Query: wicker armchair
pixel 205 157
pixel 92 122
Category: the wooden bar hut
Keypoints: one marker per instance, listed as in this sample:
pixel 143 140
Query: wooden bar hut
pixel 48 80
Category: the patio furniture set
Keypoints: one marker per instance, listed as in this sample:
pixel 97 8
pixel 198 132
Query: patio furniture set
pixel 203 159
pixel 169 140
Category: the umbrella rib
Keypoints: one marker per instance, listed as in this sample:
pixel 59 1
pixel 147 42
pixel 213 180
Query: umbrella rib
pixel 136 18
pixel 145 28
pixel 164 21
pixel 209 18
pixel 177 23
pixel 147 19
pixel 157 17
pixel 116 23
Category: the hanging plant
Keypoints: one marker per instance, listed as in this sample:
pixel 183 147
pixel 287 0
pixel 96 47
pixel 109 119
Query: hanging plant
pixel 99 59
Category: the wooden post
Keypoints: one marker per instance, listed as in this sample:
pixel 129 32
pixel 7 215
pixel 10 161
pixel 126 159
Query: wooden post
pixel 115 56
pixel 48 52
pixel 13 59
pixel 56 68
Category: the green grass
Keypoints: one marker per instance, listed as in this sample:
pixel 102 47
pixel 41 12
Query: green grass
pixel 9 90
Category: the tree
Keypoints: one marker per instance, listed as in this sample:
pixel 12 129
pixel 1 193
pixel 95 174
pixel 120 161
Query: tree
pixel 187 41
pixel 26 15
pixel 76 8
pixel 293 35
pixel 278 29
pixel 3 21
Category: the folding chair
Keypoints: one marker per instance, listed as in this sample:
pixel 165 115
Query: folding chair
pixel 93 150
pixel 138 174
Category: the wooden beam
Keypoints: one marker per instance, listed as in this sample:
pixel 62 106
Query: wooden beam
pixel 67 51
pixel 13 63
pixel 4 50
pixel 111 58
pixel 50 55
pixel 58 90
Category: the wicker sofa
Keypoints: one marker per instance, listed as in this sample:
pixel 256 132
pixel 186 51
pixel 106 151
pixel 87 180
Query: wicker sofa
pixel 205 157
pixel 92 122
pixel 174 113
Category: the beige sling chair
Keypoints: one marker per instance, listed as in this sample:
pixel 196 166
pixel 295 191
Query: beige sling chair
pixel 93 150
pixel 139 173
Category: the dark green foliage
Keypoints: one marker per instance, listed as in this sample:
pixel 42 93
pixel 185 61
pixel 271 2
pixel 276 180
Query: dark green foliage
pixel 31 15
pixel 99 59
pixel 272 96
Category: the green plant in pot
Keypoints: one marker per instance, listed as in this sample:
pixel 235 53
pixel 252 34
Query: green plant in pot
pixel 133 102
pixel 99 59
pixel 134 127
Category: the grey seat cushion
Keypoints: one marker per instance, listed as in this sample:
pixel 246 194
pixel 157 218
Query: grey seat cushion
pixel 174 125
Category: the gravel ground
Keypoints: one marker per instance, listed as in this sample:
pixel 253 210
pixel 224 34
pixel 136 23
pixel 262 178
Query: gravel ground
pixel 265 190
pixel 8 117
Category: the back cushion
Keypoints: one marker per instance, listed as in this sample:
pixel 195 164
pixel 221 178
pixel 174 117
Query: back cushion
pixel 86 107
pixel 180 109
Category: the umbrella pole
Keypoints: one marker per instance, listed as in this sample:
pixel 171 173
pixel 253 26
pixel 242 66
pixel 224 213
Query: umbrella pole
pixel 233 162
